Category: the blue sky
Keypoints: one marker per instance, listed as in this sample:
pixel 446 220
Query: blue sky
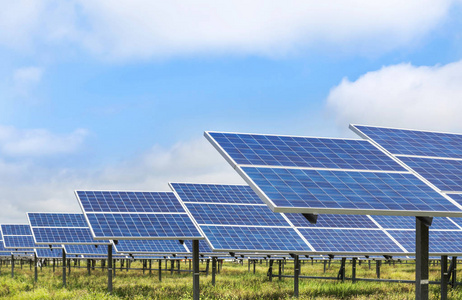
pixel 117 96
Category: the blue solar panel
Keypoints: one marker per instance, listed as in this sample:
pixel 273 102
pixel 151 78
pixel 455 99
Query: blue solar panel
pixel 112 201
pixel 19 241
pixel 404 222
pixel 142 226
pixel 150 246
pixel 216 193
pixel 49 253
pixel 224 214
pixel 440 241
pixel 350 240
pixel 85 249
pixel 57 220
pixel 16 229
pixel 64 235
pixel 445 174
pixel 203 247
pixel 254 238
pixel 272 150
pixel 333 221
pixel 414 142
pixel 318 189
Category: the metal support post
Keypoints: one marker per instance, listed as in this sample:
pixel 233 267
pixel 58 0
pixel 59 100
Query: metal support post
pixel 296 274
pixel 444 277
pixel 109 268
pixel 207 267
pixel 248 269
pixel 214 269
pixel 12 266
pixel 341 272
pixel 270 270
pixel 64 269
pixel 160 270
pixel 35 268
pixel 88 267
pixel 421 251
pixel 280 270
pixel 196 291
pixel 114 268
pixel 150 266
pixel 454 271
pixel 353 272
pixel 178 266
pixel 254 265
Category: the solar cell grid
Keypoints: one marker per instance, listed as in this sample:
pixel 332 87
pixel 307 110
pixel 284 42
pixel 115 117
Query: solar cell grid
pixel 222 214
pixel 57 220
pixel 142 226
pixel 443 173
pixel 150 246
pixel 64 235
pixel 440 241
pixel 318 189
pixel 270 150
pixel 216 193
pixel 19 241
pixel 118 201
pixel 48 253
pixel 203 247
pixel 85 249
pixel 350 240
pixel 414 142
pixel 254 238
pixel 404 222
pixel 332 221
pixel 16 229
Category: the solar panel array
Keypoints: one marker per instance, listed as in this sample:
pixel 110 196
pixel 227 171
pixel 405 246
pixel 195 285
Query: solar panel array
pixel 17 236
pixel 233 219
pixel 118 215
pixel 435 156
pixel 321 175
pixel 61 228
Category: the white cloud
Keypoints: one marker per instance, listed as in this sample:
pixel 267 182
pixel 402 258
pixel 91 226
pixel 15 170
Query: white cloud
pixel 25 79
pixel 38 142
pixel 402 95
pixel 144 28
pixel 27 186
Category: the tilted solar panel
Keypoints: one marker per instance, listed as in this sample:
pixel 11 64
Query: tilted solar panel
pixel 151 247
pixel 121 215
pixel 49 253
pixel 377 184
pixel 82 249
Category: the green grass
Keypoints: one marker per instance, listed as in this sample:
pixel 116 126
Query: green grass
pixel 234 282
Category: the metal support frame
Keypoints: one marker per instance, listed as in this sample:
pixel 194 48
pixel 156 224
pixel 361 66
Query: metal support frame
pixel 341 272
pixel 453 271
pixel 377 268
pixel 280 270
pixel 160 270
pixel 207 267
pixel 270 270
pixel 353 271
pixel 444 277
pixel 88 267
pixel 109 268
pixel 64 269
pixel 254 265
pixel 35 268
pixel 296 274
pixel 196 290
pixel 421 256
pixel 214 269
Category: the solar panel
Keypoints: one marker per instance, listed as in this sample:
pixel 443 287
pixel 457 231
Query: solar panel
pixel 151 247
pixel 413 142
pixel 402 222
pixel 136 215
pixel 17 236
pixel 49 253
pixel 373 183
pixel 61 228
pixel 441 242
pixel 237 225
pixel 85 249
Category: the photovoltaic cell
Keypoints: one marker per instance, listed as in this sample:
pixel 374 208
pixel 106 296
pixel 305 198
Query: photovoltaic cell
pixel 323 189
pixel 254 238
pixel 16 229
pixel 414 142
pixel 404 222
pixel 49 253
pixel 64 235
pixel 57 220
pixel 350 240
pixel 140 202
pixel 272 150
pixel 216 193
pixel 224 214
pixel 142 226
pixel 440 241
pixel 85 249
pixel 19 241
pixel 445 174
pixel 333 221
pixel 204 248
pixel 150 246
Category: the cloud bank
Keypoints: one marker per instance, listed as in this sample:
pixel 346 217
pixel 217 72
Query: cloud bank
pixel 403 95
pixel 144 29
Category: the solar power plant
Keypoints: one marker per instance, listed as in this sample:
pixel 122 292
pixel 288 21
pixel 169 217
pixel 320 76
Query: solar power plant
pixel 435 156
pixel 119 215
pixel 17 236
pixel 151 247
pixel 61 228
pixel 234 219
pixel 322 175
pixel 49 253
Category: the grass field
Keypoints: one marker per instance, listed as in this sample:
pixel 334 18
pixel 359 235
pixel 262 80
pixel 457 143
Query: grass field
pixel 234 282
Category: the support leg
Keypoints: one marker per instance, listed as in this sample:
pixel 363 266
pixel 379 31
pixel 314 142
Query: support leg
pixel 421 251
pixel 109 268
pixel 296 274
pixel 444 277
pixel 196 291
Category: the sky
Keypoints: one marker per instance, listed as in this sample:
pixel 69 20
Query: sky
pixel 117 94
